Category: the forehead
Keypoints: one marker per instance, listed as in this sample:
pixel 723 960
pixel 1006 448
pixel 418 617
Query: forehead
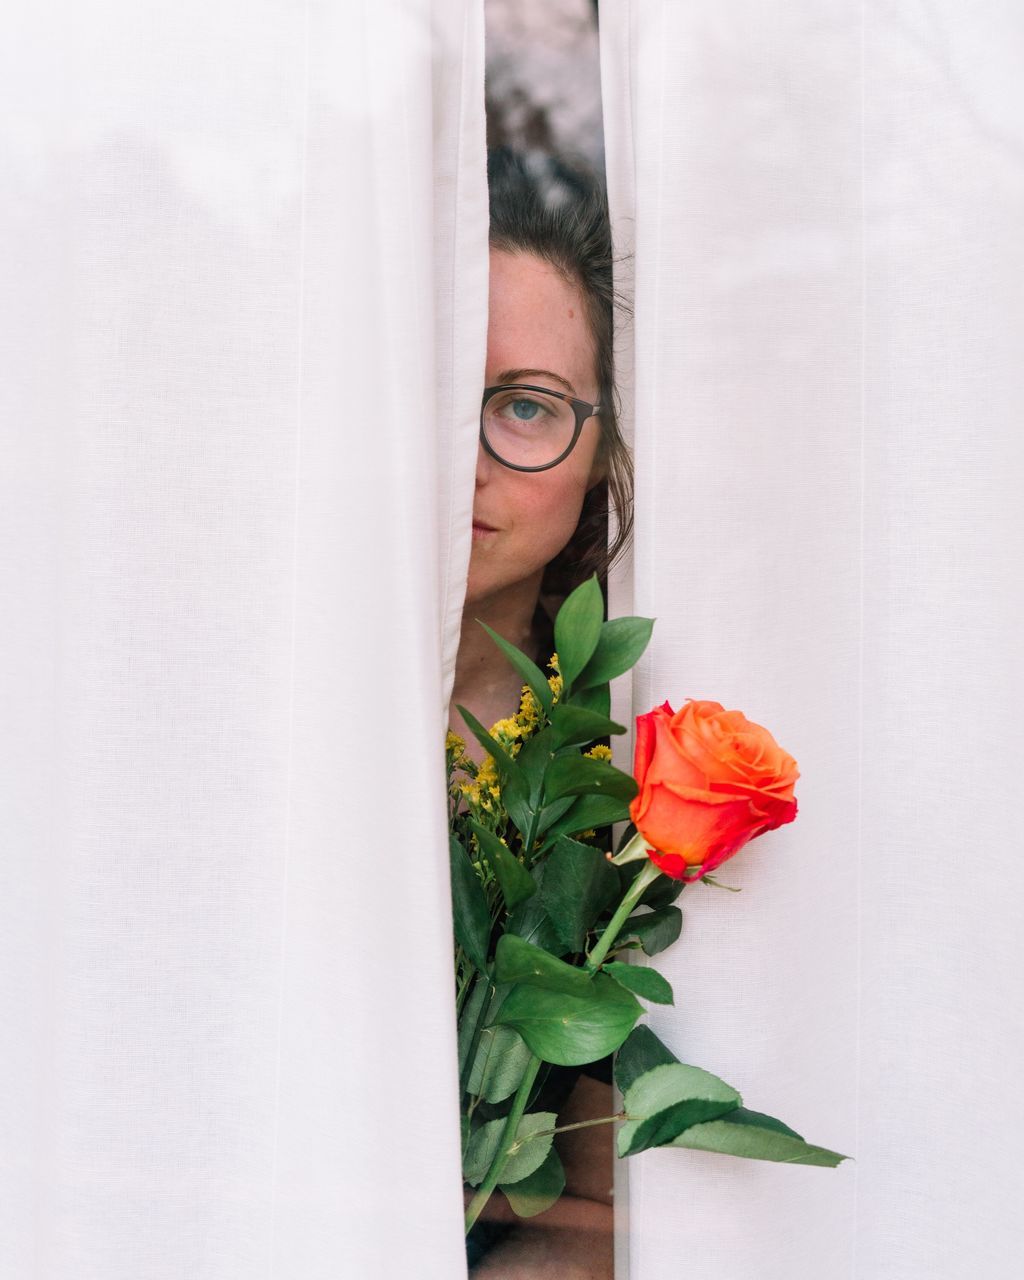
pixel 537 320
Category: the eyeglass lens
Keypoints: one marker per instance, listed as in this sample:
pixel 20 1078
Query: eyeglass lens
pixel 528 428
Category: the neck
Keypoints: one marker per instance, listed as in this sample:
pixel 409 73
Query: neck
pixel 485 683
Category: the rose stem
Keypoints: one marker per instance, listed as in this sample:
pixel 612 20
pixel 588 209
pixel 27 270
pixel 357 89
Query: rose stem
pixel 647 875
pixel 508 1135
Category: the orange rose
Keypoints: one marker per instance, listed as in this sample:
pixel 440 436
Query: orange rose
pixel 710 780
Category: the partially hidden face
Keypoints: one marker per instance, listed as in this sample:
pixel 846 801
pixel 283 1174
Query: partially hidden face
pixel 537 333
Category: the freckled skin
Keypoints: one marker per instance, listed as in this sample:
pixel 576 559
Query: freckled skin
pixel 536 514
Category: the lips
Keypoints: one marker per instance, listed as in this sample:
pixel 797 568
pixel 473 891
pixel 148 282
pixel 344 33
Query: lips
pixel 481 526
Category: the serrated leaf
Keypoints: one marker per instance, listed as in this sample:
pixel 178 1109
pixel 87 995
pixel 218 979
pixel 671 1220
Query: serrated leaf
pixel 579 883
pixel 484 1143
pixel 532 1195
pixel 531 921
pixel 515 881
pixel 502 1057
pixel 578 629
pixel 654 930
pixel 666 1100
pixel 734 1135
pixel 569 1030
pixel 621 643
pixel 642 1052
pixel 518 961
pixel 644 982
pixel 525 666
pixel 576 726
pixel 577 775
pixel 471 918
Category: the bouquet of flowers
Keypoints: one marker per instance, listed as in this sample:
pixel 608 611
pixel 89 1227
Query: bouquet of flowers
pixel 544 916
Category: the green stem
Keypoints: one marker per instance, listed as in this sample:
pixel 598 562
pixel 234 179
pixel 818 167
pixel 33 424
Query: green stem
pixel 647 875
pixel 580 1124
pixel 508 1137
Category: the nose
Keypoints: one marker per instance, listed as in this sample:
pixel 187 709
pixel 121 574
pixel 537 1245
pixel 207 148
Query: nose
pixel 485 464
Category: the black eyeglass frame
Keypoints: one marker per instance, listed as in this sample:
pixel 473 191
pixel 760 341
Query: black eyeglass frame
pixel 581 409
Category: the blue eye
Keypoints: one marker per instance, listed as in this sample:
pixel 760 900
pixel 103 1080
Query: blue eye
pixel 525 410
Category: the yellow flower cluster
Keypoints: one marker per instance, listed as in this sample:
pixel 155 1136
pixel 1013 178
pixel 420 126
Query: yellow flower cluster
pixel 600 752
pixel 483 788
pixel 455 747
pixel 555 681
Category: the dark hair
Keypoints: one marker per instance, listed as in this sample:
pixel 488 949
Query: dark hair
pixel 559 212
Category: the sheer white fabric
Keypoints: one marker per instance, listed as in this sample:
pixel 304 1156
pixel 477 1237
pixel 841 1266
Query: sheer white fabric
pixel 826 205
pixel 240 413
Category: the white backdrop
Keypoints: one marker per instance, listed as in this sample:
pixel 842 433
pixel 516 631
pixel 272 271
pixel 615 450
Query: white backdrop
pixel 239 413
pixel 826 204
pixel 239 419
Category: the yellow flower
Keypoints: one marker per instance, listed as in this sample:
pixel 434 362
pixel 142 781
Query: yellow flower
pixel 600 752
pixel 555 685
pixel 529 710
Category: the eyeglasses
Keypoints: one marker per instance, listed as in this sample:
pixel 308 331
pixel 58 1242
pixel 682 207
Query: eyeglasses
pixel 531 428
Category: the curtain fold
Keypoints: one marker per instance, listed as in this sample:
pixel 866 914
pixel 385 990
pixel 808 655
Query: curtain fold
pixel 240 413
pixel 824 205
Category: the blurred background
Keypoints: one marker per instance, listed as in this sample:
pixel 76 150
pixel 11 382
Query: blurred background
pixel 543 81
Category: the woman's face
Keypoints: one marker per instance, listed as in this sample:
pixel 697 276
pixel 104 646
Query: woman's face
pixel 537 333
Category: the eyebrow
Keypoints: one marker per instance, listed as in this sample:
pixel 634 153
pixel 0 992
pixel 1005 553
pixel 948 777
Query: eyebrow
pixel 517 375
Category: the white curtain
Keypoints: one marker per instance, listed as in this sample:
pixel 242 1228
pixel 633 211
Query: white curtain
pixel 825 204
pixel 242 337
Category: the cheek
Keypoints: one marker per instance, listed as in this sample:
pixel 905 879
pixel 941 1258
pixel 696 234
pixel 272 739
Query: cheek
pixel 551 512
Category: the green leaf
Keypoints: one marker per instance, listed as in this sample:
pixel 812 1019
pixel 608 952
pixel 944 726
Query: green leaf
pixel 526 667
pixel 575 775
pixel 470 915
pixel 739 1134
pixel 506 765
pixel 571 1031
pixel 654 930
pixel 584 814
pixel 470 1016
pixel 578 884
pixel 501 1059
pixel 744 1116
pixel 578 629
pixel 483 1147
pixel 597 699
pixel 516 882
pixel 539 1191
pixel 668 1099
pixel 621 643
pixel 518 961
pixel 576 726
pixel 530 920
pixel 534 758
pixel 642 1052
pixel 647 983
